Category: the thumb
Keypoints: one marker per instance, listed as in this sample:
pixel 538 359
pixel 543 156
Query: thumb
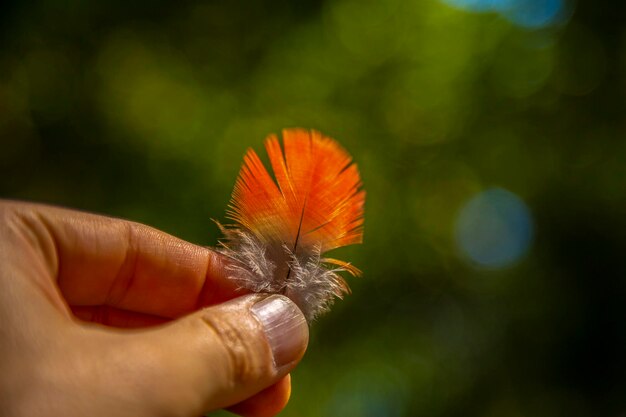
pixel 213 358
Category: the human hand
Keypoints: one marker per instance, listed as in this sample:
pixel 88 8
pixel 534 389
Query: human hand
pixel 176 341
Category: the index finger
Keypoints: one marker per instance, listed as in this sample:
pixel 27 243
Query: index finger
pixel 98 260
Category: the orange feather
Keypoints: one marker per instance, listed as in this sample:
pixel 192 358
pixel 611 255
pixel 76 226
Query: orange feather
pixel 283 224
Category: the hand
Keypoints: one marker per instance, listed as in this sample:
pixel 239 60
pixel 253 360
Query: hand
pixel 104 317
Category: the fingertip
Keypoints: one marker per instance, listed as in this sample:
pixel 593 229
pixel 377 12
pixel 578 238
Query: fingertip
pixel 266 403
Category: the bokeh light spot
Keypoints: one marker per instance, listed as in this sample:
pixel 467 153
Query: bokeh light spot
pixel 373 392
pixel 494 228
pixel 532 14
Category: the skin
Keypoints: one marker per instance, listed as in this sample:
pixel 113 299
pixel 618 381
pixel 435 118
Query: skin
pixel 105 317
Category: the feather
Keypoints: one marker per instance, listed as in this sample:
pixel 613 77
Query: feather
pixel 284 224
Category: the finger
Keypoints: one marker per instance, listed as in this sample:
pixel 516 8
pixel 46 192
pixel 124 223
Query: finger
pixel 214 358
pixel 104 261
pixel 111 316
pixel 266 403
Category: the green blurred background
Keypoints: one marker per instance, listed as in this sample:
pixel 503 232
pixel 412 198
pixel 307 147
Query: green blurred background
pixel 489 134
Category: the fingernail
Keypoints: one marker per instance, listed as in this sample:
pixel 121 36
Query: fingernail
pixel 285 327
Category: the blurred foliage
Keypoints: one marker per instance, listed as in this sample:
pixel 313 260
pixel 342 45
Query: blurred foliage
pixel 144 110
